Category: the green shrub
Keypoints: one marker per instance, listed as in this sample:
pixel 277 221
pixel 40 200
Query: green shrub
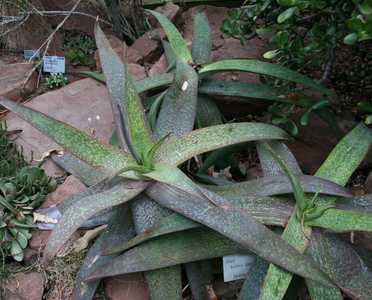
pixel 302 32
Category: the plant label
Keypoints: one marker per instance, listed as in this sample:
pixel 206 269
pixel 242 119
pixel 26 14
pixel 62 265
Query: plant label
pixel 236 266
pixel 31 54
pixel 54 64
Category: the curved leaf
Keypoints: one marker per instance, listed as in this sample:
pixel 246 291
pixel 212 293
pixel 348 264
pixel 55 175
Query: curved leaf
pixel 207 139
pixel 108 159
pixel 245 90
pixel 202 42
pixel 80 211
pixel 174 37
pixel 263 68
pixel 268 164
pixel 170 250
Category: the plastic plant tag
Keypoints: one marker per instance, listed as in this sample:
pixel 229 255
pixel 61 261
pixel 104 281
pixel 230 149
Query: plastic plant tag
pixel 236 267
pixel 54 64
pixel 31 54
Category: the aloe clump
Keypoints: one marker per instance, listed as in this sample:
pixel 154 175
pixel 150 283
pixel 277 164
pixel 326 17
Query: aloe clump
pixel 191 222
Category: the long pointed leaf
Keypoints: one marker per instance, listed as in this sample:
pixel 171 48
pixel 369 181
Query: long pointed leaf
pixel 174 37
pixel 207 139
pixel 98 155
pixel 342 263
pixel 344 220
pixel 170 250
pixel 276 185
pixel 239 227
pixel 263 68
pixel 82 210
pixel 119 229
pixel 202 41
pixel 244 91
pixel 125 100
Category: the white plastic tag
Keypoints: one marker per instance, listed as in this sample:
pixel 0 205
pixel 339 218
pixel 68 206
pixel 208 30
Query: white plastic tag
pixel 236 266
pixel 31 54
pixel 54 64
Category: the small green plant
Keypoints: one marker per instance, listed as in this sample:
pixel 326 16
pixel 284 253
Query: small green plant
pixel 200 222
pixel 22 188
pixel 78 47
pixel 56 80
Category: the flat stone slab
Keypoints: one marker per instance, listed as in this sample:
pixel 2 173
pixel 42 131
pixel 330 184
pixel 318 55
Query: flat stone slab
pixel 84 104
pixel 12 81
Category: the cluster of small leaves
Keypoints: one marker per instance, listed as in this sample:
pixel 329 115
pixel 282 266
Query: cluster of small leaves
pixel 78 47
pixel 302 32
pixel 22 188
pixel 176 219
pixel 56 80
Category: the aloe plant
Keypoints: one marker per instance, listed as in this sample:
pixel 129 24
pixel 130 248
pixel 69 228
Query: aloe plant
pixel 191 221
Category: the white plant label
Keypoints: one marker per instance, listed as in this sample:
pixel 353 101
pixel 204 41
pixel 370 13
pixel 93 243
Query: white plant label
pixel 31 54
pixel 236 266
pixel 54 64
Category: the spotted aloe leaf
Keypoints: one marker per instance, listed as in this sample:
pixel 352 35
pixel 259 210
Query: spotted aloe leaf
pixel 275 283
pixel 263 68
pixel 119 228
pixel 131 125
pixel 269 165
pixel 178 109
pixel 338 167
pixel 208 113
pixel 276 185
pixel 244 91
pixel 168 251
pixel 175 38
pixel 339 220
pixel 337 258
pixel 80 211
pixel 207 139
pixel 104 157
pixel 267 210
pixel 225 220
pixel 202 41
